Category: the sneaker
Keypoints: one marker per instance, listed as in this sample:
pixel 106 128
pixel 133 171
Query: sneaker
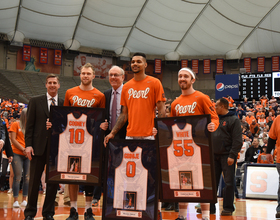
pixel 197 206
pixel 24 203
pixel 181 218
pixel 73 214
pixel 16 204
pixel 277 215
pixel 10 191
pixel 199 211
pixel 159 216
pixel 94 202
pixel 89 215
pixel 205 218
pixel 226 213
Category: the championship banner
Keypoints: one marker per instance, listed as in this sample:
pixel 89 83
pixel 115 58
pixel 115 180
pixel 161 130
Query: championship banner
pixel 186 159
pixel 227 85
pixel 184 63
pixel 206 66
pixel 260 181
pixel 76 143
pixel 261 64
pixel 131 180
pixel 195 64
pixel 158 66
pixel 247 64
pixel 43 55
pixel 275 64
pixel 57 57
pixel 26 53
pixel 219 66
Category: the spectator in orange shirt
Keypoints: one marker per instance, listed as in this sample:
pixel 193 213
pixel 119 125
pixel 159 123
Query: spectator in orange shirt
pixel 250 118
pixel 258 106
pixel 264 100
pixel 254 127
pixel 264 157
pixel 262 119
pixel 230 101
pixel 259 113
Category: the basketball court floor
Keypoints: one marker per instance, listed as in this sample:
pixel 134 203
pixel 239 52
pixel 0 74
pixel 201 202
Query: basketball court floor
pixel 246 209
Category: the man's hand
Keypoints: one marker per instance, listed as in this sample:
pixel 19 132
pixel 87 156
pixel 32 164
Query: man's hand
pixel 29 152
pixel 230 161
pixel 10 159
pixel 154 131
pixel 1 144
pixel 211 127
pixel 107 138
pixel 104 125
pixel 48 124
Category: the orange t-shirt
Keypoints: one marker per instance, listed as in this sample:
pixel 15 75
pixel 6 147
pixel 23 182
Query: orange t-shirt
pixel 80 98
pixel 274 133
pixel 258 115
pixel 265 158
pixel 263 102
pixel 194 104
pixel 250 119
pixel 15 107
pixel 140 98
pixel 19 137
pixel 230 101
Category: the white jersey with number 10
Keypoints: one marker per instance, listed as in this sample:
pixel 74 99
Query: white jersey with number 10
pixel 75 141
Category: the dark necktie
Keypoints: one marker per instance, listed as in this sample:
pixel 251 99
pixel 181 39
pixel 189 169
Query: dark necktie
pixel 114 110
pixel 53 102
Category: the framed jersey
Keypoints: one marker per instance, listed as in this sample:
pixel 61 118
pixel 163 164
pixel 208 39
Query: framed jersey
pixel 76 143
pixel 130 190
pixel 185 159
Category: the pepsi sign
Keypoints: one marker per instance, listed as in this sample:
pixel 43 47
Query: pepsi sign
pixel 227 85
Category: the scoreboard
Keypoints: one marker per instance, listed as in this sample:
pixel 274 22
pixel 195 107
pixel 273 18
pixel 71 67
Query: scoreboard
pixel 254 85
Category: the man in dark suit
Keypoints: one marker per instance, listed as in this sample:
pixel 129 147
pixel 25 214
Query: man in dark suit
pixel 116 77
pixel 36 142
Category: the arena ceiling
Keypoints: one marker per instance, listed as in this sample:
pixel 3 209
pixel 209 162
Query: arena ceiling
pixel 174 29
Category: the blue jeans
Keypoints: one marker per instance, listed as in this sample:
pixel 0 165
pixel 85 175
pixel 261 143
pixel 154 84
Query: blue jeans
pixel 278 200
pixel 20 162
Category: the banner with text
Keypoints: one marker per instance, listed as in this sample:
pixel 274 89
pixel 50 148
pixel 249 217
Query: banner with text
pixel 227 85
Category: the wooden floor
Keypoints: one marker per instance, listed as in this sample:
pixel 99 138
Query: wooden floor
pixel 245 210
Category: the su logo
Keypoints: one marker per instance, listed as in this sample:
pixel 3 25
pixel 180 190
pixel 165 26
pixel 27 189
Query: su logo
pixel 224 123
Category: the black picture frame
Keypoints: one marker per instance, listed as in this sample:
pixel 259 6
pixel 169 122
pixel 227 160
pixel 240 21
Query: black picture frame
pixel 80 161
pixel 134 198
pixel 186 165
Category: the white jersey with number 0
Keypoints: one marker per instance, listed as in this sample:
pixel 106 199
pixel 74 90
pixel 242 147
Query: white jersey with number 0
pixel 184 155
pixel 75 141
pixel 131 176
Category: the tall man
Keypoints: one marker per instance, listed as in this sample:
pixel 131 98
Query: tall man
pixel 36 141
pixel 192 102
pixel 274 140
pixel 139 98
pixel 227 142
pixel 84 95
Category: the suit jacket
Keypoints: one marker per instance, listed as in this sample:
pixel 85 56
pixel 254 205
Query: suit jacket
pixel 122 132
pixel 36 134
pixel 7 146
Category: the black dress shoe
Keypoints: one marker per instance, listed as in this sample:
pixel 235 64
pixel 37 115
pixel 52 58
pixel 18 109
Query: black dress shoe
pixel 29 218
pixel 170 207
pixel 48 217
